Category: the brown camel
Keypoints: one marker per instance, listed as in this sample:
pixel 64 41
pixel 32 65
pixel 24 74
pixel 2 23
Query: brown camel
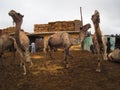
pixel 63 40
pixel 22 39
pixel 98 40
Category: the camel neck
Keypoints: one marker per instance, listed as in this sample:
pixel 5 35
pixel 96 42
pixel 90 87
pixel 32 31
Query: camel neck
pixel 18 28
pixel 17 36
pixel 98 34
pixel 97 30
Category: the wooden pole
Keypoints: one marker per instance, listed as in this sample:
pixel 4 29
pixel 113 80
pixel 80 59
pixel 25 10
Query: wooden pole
pixel 81 15
pixel 81 25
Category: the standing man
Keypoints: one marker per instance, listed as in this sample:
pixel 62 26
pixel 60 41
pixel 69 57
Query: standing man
pixel 33 49
pixel 108 46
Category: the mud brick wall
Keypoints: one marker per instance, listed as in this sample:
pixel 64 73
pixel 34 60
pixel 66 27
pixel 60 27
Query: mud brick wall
pixel 58 26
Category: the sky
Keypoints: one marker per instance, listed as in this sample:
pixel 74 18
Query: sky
pixel 44 11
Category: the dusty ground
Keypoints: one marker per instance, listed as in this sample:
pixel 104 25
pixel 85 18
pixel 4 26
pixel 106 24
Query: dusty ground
pixel 49 74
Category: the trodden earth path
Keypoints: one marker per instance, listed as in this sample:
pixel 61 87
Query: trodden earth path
pixel 49 74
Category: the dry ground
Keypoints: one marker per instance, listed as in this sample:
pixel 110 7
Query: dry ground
pixel 49 74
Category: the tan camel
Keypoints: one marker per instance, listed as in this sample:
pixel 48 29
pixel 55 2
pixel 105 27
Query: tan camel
pixel 115 55
pixel 5 42
pixel 98 40
pixel 63 40
pixel 22 39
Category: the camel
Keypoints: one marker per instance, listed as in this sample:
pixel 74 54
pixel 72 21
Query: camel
pixel 63 40
pixel 114 55
pixel 5 42
pixel 99 42
pixel 22 40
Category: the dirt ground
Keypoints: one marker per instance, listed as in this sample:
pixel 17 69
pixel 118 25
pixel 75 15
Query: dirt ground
pixel 49 74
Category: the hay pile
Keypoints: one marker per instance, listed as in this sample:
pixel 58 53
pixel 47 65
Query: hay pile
pixel 8 30
pixel 40 27
pixel 58 26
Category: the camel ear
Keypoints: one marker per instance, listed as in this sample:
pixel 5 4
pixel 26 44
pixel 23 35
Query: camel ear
pixel 20 15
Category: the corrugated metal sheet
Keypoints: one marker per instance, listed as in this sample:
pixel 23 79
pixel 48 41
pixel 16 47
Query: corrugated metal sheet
pixel 87 43
pixel 112 41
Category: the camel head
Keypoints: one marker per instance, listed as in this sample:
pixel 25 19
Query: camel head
pixel 17 17
pixel 95 18
pixel 83 30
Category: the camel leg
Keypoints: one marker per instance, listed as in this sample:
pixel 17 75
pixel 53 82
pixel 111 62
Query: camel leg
pixel 23 64
pixel 66 52
pixel 98 69
pixel 48 51
pixel 70 55
pixel 65 61
pixel 1 62
pixel 14 55
pixel 24 68
pixel 28 59
pixel 50 54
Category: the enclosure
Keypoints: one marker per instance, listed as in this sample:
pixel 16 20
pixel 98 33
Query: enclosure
pixel 49 74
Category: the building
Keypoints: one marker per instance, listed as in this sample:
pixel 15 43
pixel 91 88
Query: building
pixel 43 31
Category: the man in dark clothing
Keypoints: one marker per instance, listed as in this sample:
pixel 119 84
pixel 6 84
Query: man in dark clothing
pixel 92 48
pixel 108 46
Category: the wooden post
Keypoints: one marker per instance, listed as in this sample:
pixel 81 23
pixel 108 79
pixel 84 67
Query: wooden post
pixel 81 15
pixel 82 44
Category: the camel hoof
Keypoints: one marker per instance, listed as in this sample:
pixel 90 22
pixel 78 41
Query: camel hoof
pixel 98 70
pixel 31 64
pixel 71 58
pixel 66 65
pixel 52 58
pixel 24 73
pixel 21 65
pixel 44 65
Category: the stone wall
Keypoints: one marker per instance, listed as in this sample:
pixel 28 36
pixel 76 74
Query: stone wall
pixel 58 26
